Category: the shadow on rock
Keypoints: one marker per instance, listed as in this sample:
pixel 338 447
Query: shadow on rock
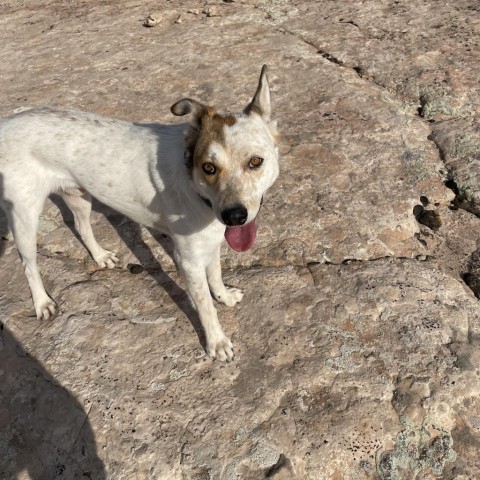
pixel 43 430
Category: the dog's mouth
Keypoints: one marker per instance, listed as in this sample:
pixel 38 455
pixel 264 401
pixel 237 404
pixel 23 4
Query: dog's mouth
pixel 243 237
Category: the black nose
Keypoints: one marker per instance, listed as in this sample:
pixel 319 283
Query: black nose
pixel 236 215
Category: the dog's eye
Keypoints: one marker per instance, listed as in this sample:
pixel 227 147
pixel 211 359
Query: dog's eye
pixel 209 168
pixel 255 162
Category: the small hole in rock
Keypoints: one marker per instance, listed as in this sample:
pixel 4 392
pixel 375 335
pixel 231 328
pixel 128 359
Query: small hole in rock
pixel 452 185
pixel 429 218
pixel 418 210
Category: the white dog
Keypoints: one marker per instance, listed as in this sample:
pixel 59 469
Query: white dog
pixel 197 186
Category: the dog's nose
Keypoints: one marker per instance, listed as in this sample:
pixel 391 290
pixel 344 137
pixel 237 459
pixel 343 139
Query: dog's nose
pixel 236 215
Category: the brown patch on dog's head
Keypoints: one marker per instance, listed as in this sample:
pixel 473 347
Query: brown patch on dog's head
pixel 207 127
pixel 212 130
pixel 227 120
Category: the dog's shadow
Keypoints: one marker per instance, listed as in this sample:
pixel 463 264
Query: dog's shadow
pixel 130 233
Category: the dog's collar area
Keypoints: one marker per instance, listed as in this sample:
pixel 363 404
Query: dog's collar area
pixel 206 201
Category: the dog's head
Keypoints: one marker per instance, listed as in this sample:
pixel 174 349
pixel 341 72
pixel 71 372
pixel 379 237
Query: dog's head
pixel 233 160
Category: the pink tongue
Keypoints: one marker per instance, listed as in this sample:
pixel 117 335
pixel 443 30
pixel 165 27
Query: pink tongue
pixel 241 238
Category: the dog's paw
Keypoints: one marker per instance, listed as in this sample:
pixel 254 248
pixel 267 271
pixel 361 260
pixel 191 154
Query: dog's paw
pixel 46 310
pixel 106 259
pixel 222 349
pixel 230 297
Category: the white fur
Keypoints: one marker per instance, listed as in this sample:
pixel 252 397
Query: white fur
pixel 140 171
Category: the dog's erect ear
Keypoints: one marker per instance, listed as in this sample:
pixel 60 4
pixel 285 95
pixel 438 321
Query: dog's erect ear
pixel 261 100
pixel 187 105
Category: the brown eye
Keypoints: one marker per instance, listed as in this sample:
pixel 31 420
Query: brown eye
pixel 209 168
pixel 255 162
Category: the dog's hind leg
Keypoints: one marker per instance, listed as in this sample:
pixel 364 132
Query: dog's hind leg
pixel 80 203
pixel 23 223
pixel 222 293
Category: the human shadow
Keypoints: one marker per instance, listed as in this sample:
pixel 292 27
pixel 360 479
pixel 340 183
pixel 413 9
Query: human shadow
pixel 43 429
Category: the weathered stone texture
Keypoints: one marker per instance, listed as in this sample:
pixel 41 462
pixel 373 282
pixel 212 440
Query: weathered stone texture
pixel 357 342
pixel 356 369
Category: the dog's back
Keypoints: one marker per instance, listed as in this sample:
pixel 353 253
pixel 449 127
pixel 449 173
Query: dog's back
pixel 46 150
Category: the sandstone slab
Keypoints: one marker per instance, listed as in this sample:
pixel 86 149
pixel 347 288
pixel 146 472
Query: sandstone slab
pixel 357 371
pixel 347 366
pixel 426 53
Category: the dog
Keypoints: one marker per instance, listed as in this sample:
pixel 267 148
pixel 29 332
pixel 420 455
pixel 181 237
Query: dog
pixel 199 183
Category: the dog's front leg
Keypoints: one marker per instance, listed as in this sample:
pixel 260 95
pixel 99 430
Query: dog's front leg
pixel 218 344
pixel 227 295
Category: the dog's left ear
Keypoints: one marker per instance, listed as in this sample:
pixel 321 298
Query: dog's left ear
pixel 260 103
pixel 200 111
pixel 188 105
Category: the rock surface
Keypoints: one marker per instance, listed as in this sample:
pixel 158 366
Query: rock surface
pixel 357 341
